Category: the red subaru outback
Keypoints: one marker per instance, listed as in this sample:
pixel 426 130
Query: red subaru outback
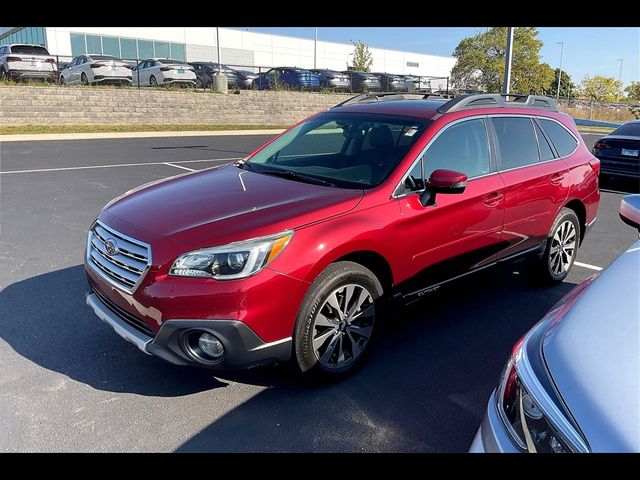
pixel 294 252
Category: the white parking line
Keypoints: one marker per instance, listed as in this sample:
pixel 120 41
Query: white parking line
pixel 178 166
pixel 586 265
pixel 90 167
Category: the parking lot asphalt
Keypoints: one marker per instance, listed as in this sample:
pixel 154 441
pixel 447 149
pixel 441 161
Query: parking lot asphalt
pixel 68 383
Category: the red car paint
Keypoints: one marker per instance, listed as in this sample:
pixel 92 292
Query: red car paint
pixel 502 214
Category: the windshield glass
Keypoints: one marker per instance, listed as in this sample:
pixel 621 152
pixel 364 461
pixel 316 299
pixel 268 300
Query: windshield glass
pixel 348 150
pixel 632 129
pixel 29 50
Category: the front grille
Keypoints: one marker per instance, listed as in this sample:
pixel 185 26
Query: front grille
pixel 131 319
pixel 123 267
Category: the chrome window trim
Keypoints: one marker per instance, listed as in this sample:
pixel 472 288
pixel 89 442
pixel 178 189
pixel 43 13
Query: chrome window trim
pixel 89 262
pixel 400 184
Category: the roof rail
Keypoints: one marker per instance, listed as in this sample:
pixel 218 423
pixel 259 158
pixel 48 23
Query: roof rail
pixel 376 96
pixel 498 100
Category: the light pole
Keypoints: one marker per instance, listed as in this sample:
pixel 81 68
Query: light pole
pixel 619 79
pixel 560 69
pixel 218 44
pixel 315 49
pixel 507 65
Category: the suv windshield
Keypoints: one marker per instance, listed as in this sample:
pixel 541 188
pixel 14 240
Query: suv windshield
pixel 29 50
pixel 347 150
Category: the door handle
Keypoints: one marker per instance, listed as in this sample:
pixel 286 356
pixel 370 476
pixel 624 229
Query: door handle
pixel 557 178
pixel 493 199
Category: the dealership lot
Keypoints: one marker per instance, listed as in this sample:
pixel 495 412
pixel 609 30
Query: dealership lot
pixel 68 383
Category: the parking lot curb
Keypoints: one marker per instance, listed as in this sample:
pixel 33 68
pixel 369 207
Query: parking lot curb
pixel 108 135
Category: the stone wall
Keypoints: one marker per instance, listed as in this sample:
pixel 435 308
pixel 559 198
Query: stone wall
pixel 22 105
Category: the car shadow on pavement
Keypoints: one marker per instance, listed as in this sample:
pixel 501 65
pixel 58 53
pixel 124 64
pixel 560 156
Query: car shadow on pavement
pixel 425 387
pixel 45 319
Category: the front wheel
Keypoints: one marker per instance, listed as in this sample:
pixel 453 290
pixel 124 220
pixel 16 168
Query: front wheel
pixel 337 321
pixel 562 248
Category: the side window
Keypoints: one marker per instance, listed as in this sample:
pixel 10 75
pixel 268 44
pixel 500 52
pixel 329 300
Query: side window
pixel 462 147
pixel 414 181
pixel 516 142
pixel 545 150
pixel 564 142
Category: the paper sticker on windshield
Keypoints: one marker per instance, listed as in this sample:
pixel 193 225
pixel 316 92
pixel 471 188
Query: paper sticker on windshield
pixel 411 132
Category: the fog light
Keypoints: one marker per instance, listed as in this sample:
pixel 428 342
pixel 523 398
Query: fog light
pixel 211 346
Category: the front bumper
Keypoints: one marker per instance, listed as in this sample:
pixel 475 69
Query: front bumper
pixel 492 437
pixel 243 348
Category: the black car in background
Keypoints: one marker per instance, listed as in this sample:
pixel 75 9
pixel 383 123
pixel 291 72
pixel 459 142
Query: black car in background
pixel 206 70
pixel 245 78
pixel 392 83
pixel 333 80
pixel 363 81
pixel 619 151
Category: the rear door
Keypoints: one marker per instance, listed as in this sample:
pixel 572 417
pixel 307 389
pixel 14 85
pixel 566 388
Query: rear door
pixel 537 182
pixel 461 232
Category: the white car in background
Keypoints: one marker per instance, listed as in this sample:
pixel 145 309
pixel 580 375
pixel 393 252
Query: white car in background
pixel 163 71
pixel 90 69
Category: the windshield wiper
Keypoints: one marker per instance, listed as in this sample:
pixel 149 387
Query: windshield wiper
pixel 244 165
pixel 298 177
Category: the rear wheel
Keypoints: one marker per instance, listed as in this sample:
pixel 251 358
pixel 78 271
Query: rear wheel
pixel 152 81
pixel 561 250
pixel 198 83
pixel 84 80
pixel 337 321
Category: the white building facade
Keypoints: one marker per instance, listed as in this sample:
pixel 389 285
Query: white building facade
pixel 239 48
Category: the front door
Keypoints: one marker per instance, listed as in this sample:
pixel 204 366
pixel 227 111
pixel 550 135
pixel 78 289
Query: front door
pixel 461 232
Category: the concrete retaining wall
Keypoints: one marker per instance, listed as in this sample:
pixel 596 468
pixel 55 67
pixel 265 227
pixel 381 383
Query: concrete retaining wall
pixel 21 105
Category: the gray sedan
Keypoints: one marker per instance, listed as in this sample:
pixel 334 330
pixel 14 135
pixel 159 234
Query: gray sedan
pixel 91 69
pixel 572 383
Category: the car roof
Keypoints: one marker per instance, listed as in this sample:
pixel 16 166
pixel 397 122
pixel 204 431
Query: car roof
pixel 412 108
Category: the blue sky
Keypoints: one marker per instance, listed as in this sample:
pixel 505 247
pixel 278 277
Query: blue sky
pixel 587 50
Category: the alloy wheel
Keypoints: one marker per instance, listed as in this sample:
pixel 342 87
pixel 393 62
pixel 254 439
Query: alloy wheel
pixel 343 326
pixel 563 248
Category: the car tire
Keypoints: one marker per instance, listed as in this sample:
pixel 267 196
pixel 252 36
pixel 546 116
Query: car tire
pixel 83 79
pixel 63 81
pixel 3 75
pixel 198 83
pixel 333 335
pixel 561 249
pixel 152 81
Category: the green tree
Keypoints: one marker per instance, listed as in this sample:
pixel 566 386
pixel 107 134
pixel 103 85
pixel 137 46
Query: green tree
pixel 480 62
pixel 601 88
pixel 567 87
pixel 362 57
pixel 633 91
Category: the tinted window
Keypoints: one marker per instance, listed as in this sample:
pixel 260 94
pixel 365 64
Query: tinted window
pixel 29 50
pixel 516 142
pixel 462 147
pixel 545 150
pixel 563 141
pixel 171 61
pixel 631 128
pixel 111 46
pixel 129 50
pixel 94 44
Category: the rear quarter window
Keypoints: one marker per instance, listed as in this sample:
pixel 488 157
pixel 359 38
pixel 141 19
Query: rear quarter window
pixel 564 142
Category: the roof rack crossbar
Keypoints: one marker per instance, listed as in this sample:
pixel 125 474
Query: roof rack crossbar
pixel 376 96
pixel 498 100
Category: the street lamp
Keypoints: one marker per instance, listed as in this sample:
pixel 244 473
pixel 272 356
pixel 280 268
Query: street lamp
pixel 315 49
pixel 560 70
pixel 619 79
pixel 507 62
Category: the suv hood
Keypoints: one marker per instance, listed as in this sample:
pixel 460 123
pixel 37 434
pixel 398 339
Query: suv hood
pixel 226 204
pixel 593 356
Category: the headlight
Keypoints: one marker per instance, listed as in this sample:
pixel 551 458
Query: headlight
pixel 535 421
pixel 232 261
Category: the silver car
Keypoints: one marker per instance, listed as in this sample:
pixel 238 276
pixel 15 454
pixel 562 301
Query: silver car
pixel 163 71
pixel 24 61
pixel 572 383
pixel 92 69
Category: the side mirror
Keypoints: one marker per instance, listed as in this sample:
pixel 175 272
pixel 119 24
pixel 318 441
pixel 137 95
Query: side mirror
pixel 630 210
pixel 443 181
